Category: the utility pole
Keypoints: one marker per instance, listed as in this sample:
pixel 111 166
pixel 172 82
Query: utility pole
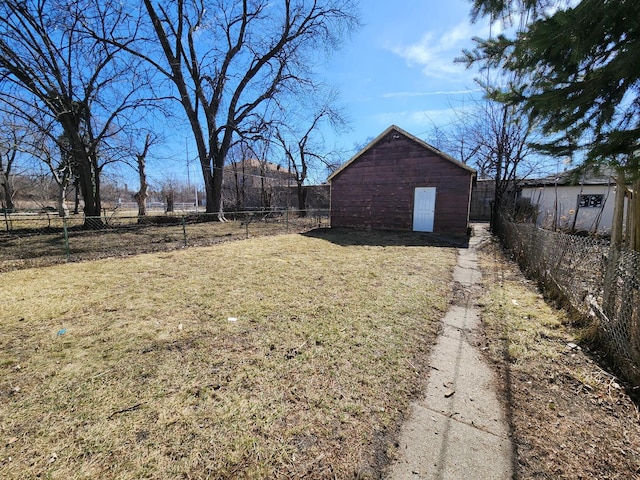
pixel 186 147
pixel 195 188
pixel 288 190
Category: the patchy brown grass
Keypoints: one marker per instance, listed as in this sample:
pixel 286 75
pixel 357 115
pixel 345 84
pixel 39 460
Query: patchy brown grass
pixel 275 357
pixel 38 242
pixel 571 417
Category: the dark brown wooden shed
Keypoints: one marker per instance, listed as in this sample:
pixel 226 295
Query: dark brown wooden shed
pixel 400 182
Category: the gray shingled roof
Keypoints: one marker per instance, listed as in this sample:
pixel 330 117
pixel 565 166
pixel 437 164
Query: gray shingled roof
pixel 575 176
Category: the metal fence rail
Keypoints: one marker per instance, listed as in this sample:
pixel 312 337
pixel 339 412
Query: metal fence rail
pixel 597 279
pixel 44 239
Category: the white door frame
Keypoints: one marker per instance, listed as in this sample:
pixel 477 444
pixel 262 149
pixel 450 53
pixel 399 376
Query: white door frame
pixel 424 207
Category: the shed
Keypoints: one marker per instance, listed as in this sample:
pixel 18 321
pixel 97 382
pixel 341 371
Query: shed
pixel 400 182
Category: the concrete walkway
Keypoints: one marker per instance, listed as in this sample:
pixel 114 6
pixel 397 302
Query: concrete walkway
pixel 459 429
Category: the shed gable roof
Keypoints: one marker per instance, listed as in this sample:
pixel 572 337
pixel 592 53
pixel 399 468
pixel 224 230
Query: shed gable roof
pixel 399 131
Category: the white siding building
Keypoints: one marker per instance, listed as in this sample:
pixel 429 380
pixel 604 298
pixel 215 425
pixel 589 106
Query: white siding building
pixel 573 202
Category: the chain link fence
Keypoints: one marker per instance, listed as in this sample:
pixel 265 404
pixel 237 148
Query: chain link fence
pixel 598 280
pixel 30 240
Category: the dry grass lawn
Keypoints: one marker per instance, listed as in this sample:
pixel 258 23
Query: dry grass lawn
pixel 571 417
pixel 274 357
pixel 41 247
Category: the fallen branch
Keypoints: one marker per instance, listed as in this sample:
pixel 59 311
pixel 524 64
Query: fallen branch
pixel 125 410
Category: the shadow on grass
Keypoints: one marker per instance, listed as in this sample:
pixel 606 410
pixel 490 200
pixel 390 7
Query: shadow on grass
pixel 386 238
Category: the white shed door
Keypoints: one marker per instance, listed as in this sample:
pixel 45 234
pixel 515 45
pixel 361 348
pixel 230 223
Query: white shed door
pixel 424 206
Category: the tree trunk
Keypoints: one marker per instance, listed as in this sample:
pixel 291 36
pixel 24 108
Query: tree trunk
pixel 63 210
pixel 634 215
pixel 266 192
pixel 87 190
pixel 89 180
pixel 577 211
pixel 214 196
pixel 170 202
pixel 7 188
pixel 141 199
pixel 83 159
pixel 240 183
pixel 143 193
pixel 6 180
pixel 209 192
pixel 611 274
pixel 76 202
pixel 95 170
pixel 302 200
pixel 618 209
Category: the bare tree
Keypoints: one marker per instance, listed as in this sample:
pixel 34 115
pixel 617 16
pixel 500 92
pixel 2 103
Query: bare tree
pixel 35 140
pixel 43 187
pixel 302 141
pixel 56 154
pixel 495 139
pixel 504 148
pixel 253 173
pixel 143 193
pixel 172 189
pixel 254 178
pixel 230 60
pixel 53 65
pixel 168 191
pixel 460 138
pixel 10 140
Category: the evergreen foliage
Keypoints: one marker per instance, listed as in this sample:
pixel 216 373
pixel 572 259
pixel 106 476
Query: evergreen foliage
pixel 574 70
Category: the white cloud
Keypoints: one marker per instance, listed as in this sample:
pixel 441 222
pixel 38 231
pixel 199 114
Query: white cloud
pixel 437 54
pixel 423 119
pixel 455 37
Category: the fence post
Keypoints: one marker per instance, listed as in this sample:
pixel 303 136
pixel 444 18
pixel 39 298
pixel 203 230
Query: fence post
pixel 184 230
pixel 610 284
pixel 66 238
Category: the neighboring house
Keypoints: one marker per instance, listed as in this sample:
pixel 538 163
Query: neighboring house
pixel 572 201
pixel 255 173
pixel 253 183
pixel 401 182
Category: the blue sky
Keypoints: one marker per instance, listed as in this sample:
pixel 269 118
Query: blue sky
pixel 399 68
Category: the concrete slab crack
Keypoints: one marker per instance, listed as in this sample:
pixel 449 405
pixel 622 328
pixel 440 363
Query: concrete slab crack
pixel 459 428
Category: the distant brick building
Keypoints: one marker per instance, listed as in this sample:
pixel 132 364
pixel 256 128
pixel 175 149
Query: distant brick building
pixel 252 184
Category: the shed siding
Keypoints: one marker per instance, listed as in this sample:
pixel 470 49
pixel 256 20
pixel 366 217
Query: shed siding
pixel 377 190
